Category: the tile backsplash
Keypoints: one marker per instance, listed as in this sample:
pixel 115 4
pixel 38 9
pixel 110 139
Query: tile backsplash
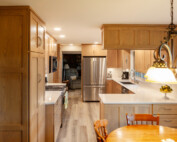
pixel 116 72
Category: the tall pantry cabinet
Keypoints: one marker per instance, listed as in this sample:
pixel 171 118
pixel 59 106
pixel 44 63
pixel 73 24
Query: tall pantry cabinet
pixel 22 75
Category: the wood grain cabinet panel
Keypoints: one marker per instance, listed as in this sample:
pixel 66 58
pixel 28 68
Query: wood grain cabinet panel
pixel 111 38
pixel 165 109
pixel 156 37
pixel 37 106
pixel 109 86
pixel 53 120
pixel 22 110
pixel 127 37
pixel 118 59
pixel 142 38
pixel 116 114
pixel 168 120
pixel 132 37
pixel 93 50
pixel 37 34
pixel 112 59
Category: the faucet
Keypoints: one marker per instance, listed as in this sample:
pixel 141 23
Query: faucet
pixel 133 76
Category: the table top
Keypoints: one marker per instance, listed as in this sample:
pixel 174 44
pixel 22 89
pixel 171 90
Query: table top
pixel 143 133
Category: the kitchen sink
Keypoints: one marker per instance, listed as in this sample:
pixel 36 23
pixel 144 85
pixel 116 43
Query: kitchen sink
pixel 127 82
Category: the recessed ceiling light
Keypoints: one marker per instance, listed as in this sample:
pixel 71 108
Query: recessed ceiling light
pixel 95 42
pixel 57 29
pixel 62 36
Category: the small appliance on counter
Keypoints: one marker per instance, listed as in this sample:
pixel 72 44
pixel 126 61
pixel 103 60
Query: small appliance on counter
pixel 125 75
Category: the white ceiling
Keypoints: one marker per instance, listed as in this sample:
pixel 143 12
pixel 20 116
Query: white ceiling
pixel 81 20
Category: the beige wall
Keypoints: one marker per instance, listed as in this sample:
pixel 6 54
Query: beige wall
pixel 72 49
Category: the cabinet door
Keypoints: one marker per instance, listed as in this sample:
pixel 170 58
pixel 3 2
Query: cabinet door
pixel 139 60
pixel 99 51
pixel 37 106
pixel 126 59
pixel 41 37
pixel 109 86
pixel 111 39
pixel 112 59
pixel 147 60
pixel 37 34
pixel 87 50
pixel 132 109
pixel 34 29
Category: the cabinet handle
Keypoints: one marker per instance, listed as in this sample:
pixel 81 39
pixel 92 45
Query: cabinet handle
pixel 167 109
pixel 39 78
pixel 39 42
pixel 168 120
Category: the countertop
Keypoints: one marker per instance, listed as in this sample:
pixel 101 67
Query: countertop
pixel 143 95
pixel 55 84
pixel 52 96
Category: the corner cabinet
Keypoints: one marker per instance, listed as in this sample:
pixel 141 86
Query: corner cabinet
pixel 128 36
pixel 22 78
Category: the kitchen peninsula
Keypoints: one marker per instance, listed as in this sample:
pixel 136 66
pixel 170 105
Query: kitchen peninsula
pixel 145 99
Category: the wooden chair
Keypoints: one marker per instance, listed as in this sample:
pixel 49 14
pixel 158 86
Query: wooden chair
pixel 100 129
pixel 135 118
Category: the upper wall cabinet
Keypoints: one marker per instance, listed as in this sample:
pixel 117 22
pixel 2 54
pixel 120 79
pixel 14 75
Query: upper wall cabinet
pixel 37 35
pixel 93 50
pixel 132 36
pixel 51 45
pixel 118 59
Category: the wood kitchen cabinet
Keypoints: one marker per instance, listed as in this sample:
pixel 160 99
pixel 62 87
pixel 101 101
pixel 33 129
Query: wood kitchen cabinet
pixel 22 76
pixel 37 106
pixel 123 59
pixel 93 50
pixel 37 35
pixel 53 120
pixel 119 112
pixel 167 112
pixel 112 59
pixel 118 59
pixel 128 36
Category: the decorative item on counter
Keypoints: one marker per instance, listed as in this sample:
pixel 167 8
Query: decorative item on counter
pixel 109 75
pixel 166 89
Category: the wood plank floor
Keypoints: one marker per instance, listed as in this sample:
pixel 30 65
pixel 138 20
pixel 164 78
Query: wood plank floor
pixel 79 119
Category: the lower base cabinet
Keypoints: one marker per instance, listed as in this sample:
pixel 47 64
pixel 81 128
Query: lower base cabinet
pixel 116 114
pixel 53 120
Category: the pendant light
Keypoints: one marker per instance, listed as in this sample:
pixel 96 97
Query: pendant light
pixel 162 72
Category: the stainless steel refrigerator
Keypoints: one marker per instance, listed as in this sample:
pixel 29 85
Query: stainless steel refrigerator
pixel 94 77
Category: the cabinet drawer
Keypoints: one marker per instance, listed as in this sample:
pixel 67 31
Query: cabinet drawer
pixel 165 109
pixel 168 120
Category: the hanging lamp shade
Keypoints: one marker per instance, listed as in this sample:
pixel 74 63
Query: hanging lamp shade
pixel 161 75
pixel 160 72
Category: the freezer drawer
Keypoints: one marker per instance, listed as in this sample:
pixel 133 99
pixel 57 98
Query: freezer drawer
pixel 92 93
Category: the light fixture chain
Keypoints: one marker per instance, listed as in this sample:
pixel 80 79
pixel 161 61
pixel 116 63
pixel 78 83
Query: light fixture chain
pixel 171 11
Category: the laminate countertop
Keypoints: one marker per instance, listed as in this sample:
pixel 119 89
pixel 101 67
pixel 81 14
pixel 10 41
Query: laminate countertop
pixel 52 96
pixel 143 94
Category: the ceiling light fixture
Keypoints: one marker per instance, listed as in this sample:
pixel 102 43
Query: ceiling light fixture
pixel 57 29
pixel 62 36
pixel 161 72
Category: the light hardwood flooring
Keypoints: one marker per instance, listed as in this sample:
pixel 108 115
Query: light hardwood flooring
pixel 78 120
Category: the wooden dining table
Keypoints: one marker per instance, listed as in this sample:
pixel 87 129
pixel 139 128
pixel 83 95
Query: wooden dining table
pixel 143 133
